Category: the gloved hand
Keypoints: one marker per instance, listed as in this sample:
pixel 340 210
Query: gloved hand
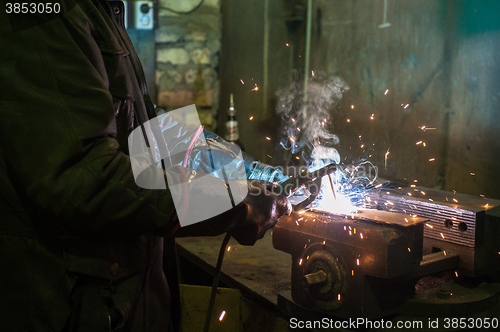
pixel 249 220
pixel 262 210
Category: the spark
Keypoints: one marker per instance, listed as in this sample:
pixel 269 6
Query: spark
pixel 300 262
pixel 251 118
pixel 361 235
pixel 432 159
pixel 406 106
pixel 312 71
pixel 419 142
pixel 386 91
pixel 362 145
pixel 256 88
pixel 242 82
pixel 371 117
pixel 338 297
pixel 456 274
pixel 324 242
pixel 305 245
pixel 379 185
pixel 423 193
pixel 406 220
pixel 269 156
pixel 268 138
pixel 429 225
pixel 430 199
pixel 442 235
pixel 228 248
pixel 348 120
pixel 486 206
pixel 287 44
pixel 386 155
pixel 298 128
pixel 357 261
pixel 293 120
pixel 221 317
pixel 352 272
pixel 413 185
pixel 409 250
pixel 297 158
pixel 455 200
pixel 297 222
pixel 423 143
pixel 352 106
pixel 444 252
pixel 472 174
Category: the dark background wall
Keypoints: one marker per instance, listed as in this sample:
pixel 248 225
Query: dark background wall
pixel 439 57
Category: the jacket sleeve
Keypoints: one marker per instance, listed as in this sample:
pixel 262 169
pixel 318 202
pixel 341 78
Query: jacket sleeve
pixel 57 129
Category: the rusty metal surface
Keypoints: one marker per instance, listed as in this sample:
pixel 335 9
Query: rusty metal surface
pixel 465 225
pixel 259 269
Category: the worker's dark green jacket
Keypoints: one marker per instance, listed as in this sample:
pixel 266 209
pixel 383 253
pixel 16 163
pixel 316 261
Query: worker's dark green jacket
pixel 76 233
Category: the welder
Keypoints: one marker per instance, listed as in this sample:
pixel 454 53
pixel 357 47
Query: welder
pixel 81 244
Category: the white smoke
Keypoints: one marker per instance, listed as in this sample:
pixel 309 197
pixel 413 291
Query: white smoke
pixel 306 117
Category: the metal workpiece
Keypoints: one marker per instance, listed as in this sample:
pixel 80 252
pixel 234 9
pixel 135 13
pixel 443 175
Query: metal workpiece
pixel 360 257
pixel 466 225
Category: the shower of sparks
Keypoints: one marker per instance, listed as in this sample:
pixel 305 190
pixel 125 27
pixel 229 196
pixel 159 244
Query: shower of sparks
pixel 221 317
pixel 242 82
pixel 386 91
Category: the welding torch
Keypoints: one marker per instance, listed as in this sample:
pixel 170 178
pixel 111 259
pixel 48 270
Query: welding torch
pixel 305 180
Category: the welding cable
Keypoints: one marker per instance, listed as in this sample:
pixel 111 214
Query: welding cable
pixel 191 146
pixel 216 281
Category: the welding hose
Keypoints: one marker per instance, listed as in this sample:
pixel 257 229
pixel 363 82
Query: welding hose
pixel 215 283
